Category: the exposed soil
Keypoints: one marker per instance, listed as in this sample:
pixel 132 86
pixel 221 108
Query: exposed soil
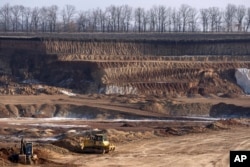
pixel 168 140
pixel 159 98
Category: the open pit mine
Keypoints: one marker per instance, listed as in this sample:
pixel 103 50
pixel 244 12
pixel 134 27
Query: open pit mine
pixel 159 65
pixel 63 92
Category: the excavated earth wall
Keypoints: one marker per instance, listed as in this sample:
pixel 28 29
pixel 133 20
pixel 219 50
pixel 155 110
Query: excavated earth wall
pixel 165 65
pixel 149 48
pixel 154 64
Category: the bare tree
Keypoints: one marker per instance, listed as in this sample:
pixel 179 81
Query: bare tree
pixel 139 14
pixel 161 13
pixel 35 16
pixel 169 19
pixel 247 19
pixel 82 21
pixel 22 17
pixel 214 17
pixel 240 14
pixel 15 19
pixel 5 15
pixel 119 10
pixel 218 22
pixel 126 16
pixel 127 12
pixel 44 19
pixel 102 19
pixel 185 11
pixel 27 15
pixel 153 18
pixel 192 23
pixel 145 21
pixel 109 21
pixel 112 18
pixel 179 21
pixel 174 18
pixel 52 17
pixel 229 16
pixel 93 20
pixel 68 14
pixel 204 19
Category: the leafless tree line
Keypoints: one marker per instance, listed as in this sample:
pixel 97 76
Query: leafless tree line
pixel 124 18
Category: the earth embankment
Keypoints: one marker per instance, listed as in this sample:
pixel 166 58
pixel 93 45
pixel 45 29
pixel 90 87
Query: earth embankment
pixel 151 64
pixel 122 107
pixel 146 65
pixel 156 96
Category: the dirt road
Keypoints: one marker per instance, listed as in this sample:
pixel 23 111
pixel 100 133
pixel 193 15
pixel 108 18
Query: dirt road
pixel 78 101
pixel 204 149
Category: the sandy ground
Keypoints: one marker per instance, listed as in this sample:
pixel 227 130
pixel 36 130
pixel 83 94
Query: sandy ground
pixel 207 149
pixel 169 142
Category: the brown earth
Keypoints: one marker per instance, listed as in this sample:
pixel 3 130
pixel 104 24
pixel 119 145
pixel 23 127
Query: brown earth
pixel 176 106
pixel 172 141
pixel 166 65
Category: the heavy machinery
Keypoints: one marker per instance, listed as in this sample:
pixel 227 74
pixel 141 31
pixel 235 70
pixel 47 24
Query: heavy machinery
pixel 26 155
pixel 97 143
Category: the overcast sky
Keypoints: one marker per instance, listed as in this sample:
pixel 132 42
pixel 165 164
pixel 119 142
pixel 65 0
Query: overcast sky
pixel 91 4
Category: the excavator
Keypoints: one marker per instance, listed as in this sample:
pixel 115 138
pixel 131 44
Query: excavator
pixel 26 155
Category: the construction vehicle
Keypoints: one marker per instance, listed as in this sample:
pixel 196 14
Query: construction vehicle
pixel 26 155
pixel 97 143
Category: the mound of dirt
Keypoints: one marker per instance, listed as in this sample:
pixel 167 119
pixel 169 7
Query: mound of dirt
pixel 223 110
pixel 71 144
pixel 179 130
pixel 225 124
pixel 217 126
pixel 155 107
pixel 232 122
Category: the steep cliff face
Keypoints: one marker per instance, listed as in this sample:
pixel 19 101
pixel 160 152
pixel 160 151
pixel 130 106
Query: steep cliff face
pixel 149 47
pixel 26 61
pixel 153 66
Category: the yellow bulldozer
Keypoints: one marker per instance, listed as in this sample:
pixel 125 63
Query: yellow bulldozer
pixel 97 143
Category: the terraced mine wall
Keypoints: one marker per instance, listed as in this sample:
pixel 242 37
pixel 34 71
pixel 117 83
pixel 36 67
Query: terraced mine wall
pixel 153 64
